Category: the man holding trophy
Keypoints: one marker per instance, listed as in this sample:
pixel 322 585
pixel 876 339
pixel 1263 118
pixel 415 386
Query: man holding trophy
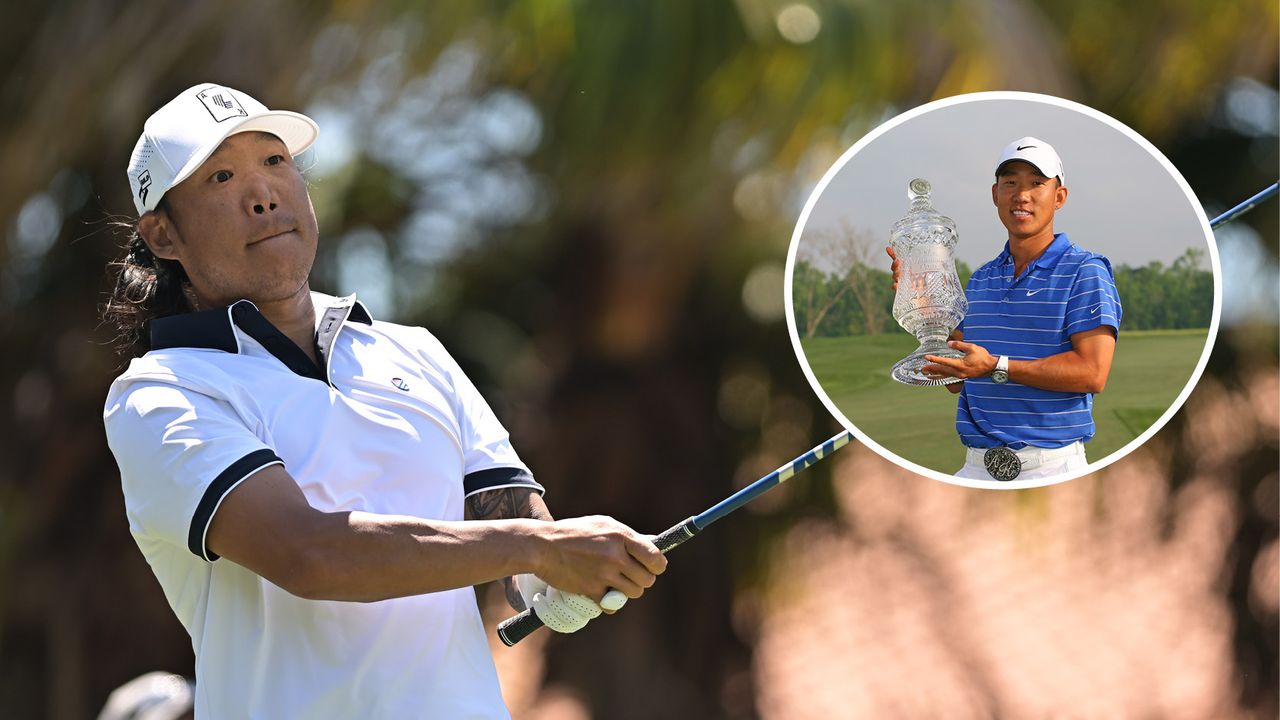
pixel 1038 337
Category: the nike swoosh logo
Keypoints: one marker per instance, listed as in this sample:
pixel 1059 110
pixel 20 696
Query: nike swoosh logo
pixel 1033 292
pixel 1024 147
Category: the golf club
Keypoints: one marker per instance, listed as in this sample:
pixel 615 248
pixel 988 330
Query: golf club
pixel 1245 206
pixel 516 628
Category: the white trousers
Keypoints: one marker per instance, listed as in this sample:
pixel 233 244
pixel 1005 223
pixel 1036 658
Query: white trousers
pixel 1037 463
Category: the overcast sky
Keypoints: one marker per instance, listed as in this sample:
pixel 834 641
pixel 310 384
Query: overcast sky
pixel 1123 203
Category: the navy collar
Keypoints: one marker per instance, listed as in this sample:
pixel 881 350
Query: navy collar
pixel 215 330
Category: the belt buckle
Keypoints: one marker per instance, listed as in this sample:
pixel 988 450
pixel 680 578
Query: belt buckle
pixel 1002 463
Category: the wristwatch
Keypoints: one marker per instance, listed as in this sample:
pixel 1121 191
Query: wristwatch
pixel 1001 373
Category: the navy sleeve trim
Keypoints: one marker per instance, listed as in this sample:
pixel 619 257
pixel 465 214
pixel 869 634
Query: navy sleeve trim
pixel 218 489
pixel 499 477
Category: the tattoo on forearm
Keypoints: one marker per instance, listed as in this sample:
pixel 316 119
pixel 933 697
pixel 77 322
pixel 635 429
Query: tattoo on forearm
pixel 494 504
pixel 506 504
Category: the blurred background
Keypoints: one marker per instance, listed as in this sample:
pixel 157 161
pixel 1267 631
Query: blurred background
pixel 590 203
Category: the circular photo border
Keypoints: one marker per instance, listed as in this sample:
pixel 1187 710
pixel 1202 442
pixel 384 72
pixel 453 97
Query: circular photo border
pixel 930 107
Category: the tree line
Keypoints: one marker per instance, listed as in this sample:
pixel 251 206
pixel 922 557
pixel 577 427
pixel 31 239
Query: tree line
pixel 859 301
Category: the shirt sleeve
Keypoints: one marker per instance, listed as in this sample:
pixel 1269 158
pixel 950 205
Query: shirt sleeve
pixel 1093 301
pixel 490 461
pixel 180 452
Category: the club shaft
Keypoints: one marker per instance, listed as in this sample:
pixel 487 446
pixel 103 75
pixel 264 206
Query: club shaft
pixel 770 481
pixel 518 627
pixel 1245 206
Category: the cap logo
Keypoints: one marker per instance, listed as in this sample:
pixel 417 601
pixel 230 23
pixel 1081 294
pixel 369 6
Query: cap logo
pixel 144 186
pixel 221 104
pixel 1024 147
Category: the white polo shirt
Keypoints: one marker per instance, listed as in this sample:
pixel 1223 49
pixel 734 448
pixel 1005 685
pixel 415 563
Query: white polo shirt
pixel 391 425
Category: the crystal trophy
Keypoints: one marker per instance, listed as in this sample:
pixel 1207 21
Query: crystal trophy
pixel 929 302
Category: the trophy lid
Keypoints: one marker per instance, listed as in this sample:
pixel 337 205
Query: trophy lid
pixel 922 222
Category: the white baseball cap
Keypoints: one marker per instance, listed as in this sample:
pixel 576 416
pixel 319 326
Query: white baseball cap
pixel 1039 153
pixel 180 136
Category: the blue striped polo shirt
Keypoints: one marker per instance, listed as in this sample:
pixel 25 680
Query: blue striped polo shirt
pixel 1064 291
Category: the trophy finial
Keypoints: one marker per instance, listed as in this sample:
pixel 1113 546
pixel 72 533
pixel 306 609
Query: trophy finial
pixel 918 189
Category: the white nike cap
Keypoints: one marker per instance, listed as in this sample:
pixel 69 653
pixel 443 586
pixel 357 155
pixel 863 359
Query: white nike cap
pixel 1039 153
pixel 180 136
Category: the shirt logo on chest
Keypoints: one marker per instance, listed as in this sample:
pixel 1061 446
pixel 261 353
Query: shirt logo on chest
pixel 399 383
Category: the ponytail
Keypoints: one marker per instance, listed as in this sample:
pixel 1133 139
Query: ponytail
pixel 147 287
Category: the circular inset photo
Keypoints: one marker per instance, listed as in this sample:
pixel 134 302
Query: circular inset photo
pixel 1003 290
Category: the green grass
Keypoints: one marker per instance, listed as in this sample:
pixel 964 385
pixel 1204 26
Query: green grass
pixel 918 424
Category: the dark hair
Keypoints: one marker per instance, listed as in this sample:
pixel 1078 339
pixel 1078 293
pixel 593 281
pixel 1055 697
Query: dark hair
pixel 146 288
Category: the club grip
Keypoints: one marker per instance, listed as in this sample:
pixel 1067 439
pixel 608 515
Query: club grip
pixel 518 627
pixel 675 536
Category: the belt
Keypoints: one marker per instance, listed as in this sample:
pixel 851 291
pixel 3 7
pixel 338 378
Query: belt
pixel 1000 461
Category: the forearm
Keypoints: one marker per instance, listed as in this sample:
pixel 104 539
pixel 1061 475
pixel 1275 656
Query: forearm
pixel 266 525
pixel 375 557
pixel 1070 371
pixel 1083 368
pixel 365 557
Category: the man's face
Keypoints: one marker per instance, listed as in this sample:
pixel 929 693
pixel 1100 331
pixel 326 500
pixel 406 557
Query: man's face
pixel 1026 200
pixel 242 225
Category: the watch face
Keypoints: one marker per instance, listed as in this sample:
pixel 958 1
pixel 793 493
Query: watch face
pixel 1000 376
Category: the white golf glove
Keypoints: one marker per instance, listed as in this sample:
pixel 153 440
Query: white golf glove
pixel 561 611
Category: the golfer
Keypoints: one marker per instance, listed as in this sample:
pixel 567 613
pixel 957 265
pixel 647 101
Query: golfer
pixel 315 490
pixel 1040 334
